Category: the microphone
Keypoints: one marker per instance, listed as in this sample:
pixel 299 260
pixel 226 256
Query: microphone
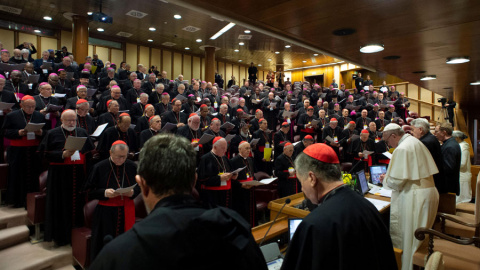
pixel 287 201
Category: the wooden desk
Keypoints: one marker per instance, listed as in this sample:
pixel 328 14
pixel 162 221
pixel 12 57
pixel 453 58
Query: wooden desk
pixel 280 227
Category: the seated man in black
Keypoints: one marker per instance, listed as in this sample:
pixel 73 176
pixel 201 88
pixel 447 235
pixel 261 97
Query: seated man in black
pixel 178 232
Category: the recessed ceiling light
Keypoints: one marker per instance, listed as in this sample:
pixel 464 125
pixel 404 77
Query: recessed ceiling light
pixel 100 29
pixel 178 17
pixel 259 65
pixel 269 59
pixel 187 48
pixel 236 50
pixel 304 61
pixel 475 83
pixel 150 40
pixel 198 40
pixel 315 54
pixel 223 30
pixel 152 29
pixel 277 52
pixel 247 31
pixel 89 13
pixel 428 77
pixel 239 60
pixel 287 46
pixel 241 43
pixel 47 18
pixel 37 31
pixel 458 60
pixel 372 48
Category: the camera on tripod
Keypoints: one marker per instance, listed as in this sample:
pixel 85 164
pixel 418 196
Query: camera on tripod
pixel 443 101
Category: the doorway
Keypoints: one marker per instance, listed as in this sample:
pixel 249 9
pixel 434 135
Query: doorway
pixel 315 79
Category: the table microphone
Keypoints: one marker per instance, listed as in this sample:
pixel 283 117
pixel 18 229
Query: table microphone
pixel 287 201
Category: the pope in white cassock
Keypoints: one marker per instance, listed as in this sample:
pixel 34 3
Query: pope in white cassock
pixel 414 197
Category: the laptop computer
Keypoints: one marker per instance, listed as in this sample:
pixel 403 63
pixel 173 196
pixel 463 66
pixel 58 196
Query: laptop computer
pixel 292 226
pixel 362 183
pixel 376 171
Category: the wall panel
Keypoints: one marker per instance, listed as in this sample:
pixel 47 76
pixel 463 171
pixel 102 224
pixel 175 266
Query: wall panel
pixel 90 53
pixel 412 91
pixel 177 64
pixel 187 68
pixel 22 37
pixel 66 40
pixel 155 58
pixel 144 57
pixel 196 68
pixel 221 69
pixel 132 55
pixel 413 106
pixel 47 43
pixel 425 95
pixel 117 57
pixel 102 53
pixel 438 114
pixel 167 64
pixel 243 75
pixel 228 70
pixel 8 40
pixel 202 68
pixel 402 88
pixel 236 71
pixel 425 110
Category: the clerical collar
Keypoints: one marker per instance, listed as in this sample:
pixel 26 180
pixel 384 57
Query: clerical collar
pixel 331 193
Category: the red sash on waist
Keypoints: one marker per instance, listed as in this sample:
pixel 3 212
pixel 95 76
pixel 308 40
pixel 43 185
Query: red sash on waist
pixel 261 148
pixel 246 180
pixel 307 130
pixel 384 161
pixel 128 209
pixel 23 142
pixel 290 177
pixel 68 161
pixel 362 159
pixel 226 187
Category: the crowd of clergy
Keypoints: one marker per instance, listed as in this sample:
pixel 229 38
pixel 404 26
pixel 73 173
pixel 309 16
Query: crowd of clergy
pixel 256 127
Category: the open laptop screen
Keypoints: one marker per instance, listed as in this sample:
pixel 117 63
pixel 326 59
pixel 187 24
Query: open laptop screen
pixel 292 226
pixel 363 181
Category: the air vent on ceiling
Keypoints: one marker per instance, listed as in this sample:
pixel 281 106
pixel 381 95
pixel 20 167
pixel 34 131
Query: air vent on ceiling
pixel 136 14
pixel 244 36
pixel 191 29
pixel 169 44
pixel 419 72
pixel 344 32
pixel 124 34
pixel 391 57
pixel 10 9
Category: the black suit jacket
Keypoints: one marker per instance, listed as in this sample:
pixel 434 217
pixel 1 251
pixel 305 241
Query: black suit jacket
pixel 452 159
pixel 434 147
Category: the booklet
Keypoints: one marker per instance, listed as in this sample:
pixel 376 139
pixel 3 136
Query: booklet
pixel 206 138
pixel 168 127
pixel 99 130
pixel 261 182
pixel 125 190
pixel 75 143
pixel 32 127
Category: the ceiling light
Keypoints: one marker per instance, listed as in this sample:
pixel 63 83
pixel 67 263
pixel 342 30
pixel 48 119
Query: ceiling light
pixel 241 43
pixel 187 48
pixel 372 48
pixel 277 52
pixel 47 18
pixel 89 13
pixel 458 60
pixel 150 40
pixel 315 54
pixel 198 40
pixel 223 30
pixel 239 60
pixel 178 17
pixel 287 46
pixel 247 31
pixel 428 77
pixel 304 61
pixel 37 31
pixel 100 29
pixel 269 59
pixel 259 65
pixel 152 29
pixel 475 83
pixel 236 50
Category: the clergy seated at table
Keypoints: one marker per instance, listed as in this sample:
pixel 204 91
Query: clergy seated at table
pixel 24 167
pixel 193 133
pixel 301 145
pixel 215 177
pixel 414 197
pixel 142 121
pixel 155 123
pixel 16 86
pixel 333 131
pixel 164 106
pixel 84 120
pixel 381 122
pixel 115 94
pixel 244 195
pixel 178 232
pixel 279 138
pixel 111 116
pixel 357 148
pixel 66 180
pixel 284 169
pixel 175 116
pixel 115 212
pixel 121 131
pixel 304 123
pixel 42 101
pixel 259 149
pixel 343 229
pixel 421 131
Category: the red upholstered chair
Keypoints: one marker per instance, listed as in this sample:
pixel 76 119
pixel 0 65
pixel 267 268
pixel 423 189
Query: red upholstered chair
pixel 264 194
pixel 3 178
pixel 81 236
pixel 36 202
pixel 346 166
pixel 140 209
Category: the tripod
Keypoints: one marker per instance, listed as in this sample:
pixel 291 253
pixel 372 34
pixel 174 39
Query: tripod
pixel 444 112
